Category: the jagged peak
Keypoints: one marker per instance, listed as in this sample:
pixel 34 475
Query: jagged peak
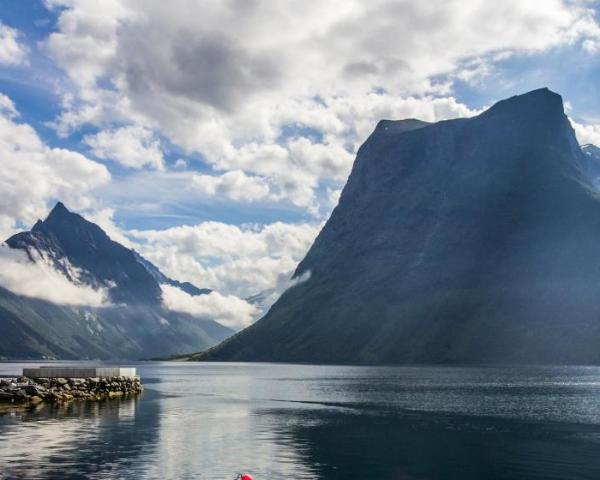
pixel 37 225
pixel 58 210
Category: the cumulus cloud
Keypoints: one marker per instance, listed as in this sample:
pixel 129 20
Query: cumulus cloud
pixel 8 226
pixel 34 174
pixel 216 239
pixel 39 279
pixel 234 184
pixel 586 133
pixel 228 310
pixel 7 107
pixel 104 218
pixel 132 146
pixel 235 260
pixel 12 51
pixel 211 79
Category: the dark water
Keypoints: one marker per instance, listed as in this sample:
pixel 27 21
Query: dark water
pixel 210 421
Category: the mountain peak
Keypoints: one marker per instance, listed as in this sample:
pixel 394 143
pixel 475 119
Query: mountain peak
pixel 58 211
pixel 471 240
pixel 103 261
pixel 542 103
pixel 399 126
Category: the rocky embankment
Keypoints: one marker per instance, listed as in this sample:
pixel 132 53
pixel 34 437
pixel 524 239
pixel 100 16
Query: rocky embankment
pixel 23 391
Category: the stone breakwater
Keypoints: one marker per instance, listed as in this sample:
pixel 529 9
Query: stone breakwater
pixel 23 391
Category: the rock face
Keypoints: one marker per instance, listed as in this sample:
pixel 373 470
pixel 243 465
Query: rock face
pixel 135 325
pixel 24 391
pixel 464 241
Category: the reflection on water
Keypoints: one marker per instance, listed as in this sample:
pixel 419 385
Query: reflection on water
pixel 211 421
pixel 90 440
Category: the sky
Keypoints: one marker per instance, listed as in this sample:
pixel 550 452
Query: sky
pixel 214 137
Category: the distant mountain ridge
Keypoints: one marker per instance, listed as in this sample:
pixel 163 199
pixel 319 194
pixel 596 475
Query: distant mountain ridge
pixel 473 240
pixel 135 325
pixel 591 163
pixel 161 278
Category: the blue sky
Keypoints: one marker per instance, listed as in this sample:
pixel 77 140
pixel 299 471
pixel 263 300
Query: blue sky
pixel 215 136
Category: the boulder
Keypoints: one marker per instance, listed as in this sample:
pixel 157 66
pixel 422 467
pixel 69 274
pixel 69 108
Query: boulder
pixel 6 397
pixel 33 389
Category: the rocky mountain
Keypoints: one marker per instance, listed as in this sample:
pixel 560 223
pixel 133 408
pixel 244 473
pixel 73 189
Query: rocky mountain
pixel 133 325
pixel 162 279
pixel 591 163
pixel 464 241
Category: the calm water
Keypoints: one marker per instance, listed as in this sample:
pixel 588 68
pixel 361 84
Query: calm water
pixel 210 421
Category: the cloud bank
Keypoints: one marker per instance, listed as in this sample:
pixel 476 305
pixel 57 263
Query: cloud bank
pixel 228 310
pixel 132 146
pixel 34 174
pixel 39 279
pixel 233 260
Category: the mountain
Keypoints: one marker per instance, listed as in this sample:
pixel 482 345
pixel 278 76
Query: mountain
pixel 68 236
pixel 162 279
pixel 591 163
pixel 464 241
pixel 135 324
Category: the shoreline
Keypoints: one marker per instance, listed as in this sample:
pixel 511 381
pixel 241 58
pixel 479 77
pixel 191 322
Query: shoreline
pixel 20 392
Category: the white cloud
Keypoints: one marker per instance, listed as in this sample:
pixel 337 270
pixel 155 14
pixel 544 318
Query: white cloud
pixel 241 261
pixel 211 78
pixel 181 163
pixel 8 227
pixel 7 107
pixel 34 174
pixel 234 184
pixel 104 218
pixel 39 279
pixel 228 310
pixel 591 46
pixel 132 146
pixel 216 239
pixel 333 197
pixel 12 51
pixel 586 133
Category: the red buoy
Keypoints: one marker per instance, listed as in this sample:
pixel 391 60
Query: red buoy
pixel 246 476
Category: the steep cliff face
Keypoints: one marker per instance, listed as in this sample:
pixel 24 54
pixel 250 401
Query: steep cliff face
pixel 469 240
pixel 135 324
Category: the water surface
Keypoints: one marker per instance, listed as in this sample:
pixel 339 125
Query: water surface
pixel 210 421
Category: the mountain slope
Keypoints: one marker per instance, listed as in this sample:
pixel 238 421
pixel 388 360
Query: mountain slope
pixel 67 235
pixel 591 163
pixel 469 240
pixel 134 325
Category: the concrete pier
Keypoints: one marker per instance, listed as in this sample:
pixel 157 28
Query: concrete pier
pixel 78 372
